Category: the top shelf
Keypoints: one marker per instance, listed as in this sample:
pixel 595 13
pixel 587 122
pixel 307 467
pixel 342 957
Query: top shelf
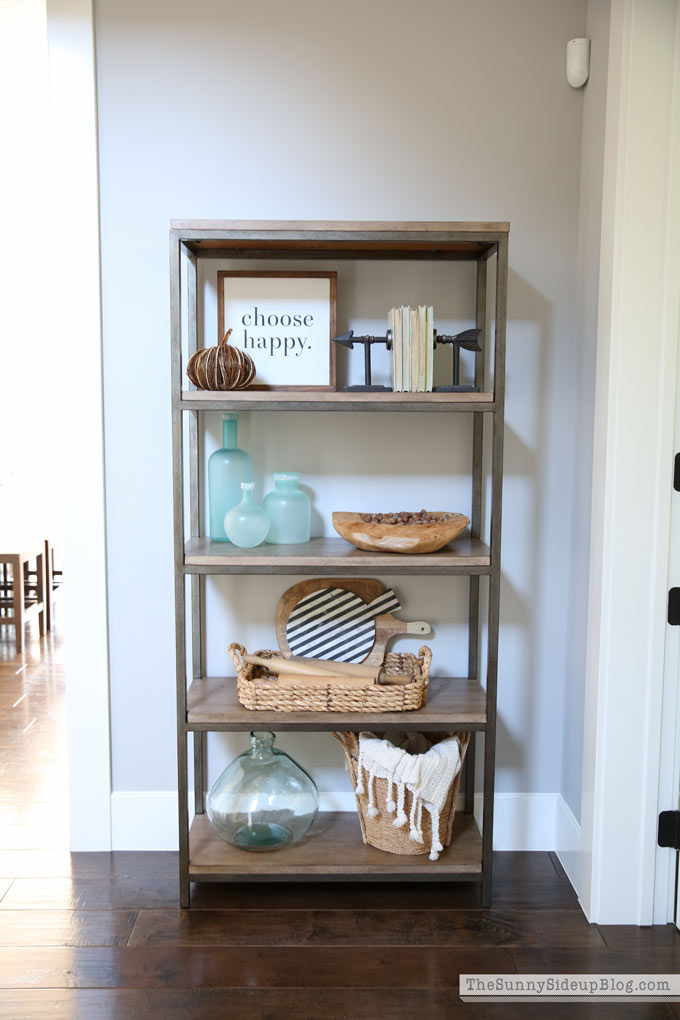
pixel 339 239
pixel 329 400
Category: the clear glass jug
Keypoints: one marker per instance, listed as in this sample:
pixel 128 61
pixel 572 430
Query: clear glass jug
pixel 289 510
pixel 263 800
pixel 246 524
pixel 227 468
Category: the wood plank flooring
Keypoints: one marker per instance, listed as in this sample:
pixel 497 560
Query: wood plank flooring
pixel 87 936
pixel 33 768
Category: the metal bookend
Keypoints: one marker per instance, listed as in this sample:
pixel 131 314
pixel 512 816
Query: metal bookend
pixel 349 340
pixel 469 339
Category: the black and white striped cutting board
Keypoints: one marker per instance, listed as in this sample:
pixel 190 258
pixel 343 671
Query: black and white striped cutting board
pixel 334 623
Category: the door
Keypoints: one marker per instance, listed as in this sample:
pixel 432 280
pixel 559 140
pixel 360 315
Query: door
pixel 667 886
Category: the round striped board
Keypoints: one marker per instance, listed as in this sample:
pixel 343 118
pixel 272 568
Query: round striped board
pixel 334 623
pixel 320 613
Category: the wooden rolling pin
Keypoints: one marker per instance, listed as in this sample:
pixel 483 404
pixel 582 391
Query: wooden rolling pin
pixel 321 680
pixel 375 673
pixel 297 668
pixel 345 668
pixel 314 667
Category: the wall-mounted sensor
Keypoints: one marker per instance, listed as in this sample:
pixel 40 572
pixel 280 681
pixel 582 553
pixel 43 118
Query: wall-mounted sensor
pixel 578 62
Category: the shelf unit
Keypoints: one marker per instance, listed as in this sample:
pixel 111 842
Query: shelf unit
pixel 333 850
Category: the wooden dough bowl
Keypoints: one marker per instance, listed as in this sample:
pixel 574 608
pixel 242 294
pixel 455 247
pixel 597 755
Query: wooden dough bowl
pixel 400 538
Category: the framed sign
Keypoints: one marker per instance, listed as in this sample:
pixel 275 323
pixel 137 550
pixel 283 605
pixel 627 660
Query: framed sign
pixel 284 321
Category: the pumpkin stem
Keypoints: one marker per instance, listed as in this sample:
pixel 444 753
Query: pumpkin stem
pixel 225 339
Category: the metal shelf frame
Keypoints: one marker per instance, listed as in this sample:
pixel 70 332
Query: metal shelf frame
pixel 477 242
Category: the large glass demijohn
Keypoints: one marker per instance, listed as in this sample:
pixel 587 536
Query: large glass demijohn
pixel 227 468
pixel 263 800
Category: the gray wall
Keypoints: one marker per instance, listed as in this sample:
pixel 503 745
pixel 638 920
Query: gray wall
pixel 269 110
pixel 584 343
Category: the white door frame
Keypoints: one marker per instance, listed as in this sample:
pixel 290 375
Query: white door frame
pixel 76 302
pixel 639 305
pixel 669 777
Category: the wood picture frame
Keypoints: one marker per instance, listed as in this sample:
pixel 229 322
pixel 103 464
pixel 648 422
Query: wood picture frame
pixel 280 319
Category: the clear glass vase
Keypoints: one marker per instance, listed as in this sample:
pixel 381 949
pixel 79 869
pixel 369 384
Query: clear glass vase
pixel 289 510
pixel 227 468
pixel 246 524
pixel 263 800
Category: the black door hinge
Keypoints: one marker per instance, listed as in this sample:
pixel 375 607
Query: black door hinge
pixel 674 607
pixel 669 829
pixel 676 473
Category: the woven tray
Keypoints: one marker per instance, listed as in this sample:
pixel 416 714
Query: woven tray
pixel 380 832
pixel 261 691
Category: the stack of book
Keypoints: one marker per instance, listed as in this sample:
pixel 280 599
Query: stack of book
pixel 412 348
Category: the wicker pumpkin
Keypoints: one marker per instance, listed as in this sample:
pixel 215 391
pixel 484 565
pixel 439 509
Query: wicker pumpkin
pixel 221 368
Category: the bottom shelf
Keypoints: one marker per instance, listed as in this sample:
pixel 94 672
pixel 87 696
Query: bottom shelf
pixel 332 850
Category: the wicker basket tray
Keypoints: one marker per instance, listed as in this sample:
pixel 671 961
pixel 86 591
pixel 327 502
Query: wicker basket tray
pixel 379 831
pixel 262 691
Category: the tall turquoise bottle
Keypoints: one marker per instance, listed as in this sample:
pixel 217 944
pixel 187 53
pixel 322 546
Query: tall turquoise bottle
pixel 227 468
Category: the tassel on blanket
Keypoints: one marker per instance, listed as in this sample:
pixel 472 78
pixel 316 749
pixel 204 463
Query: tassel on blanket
pixel 390 803
pixel 416 831
pixel 401 818
pixel 372 809
pixel 435 851
pixel 436 847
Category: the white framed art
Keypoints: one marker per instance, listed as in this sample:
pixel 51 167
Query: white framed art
pixel 285 322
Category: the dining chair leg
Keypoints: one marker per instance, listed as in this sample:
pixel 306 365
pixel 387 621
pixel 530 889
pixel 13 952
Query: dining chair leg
pixel 18 601
pixel 41 593
pixel 49 583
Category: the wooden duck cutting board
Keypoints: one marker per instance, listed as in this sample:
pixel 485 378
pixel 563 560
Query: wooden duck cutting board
pixel 361 635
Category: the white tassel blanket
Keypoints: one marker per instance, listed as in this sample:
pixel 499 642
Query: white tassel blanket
pixel 426 771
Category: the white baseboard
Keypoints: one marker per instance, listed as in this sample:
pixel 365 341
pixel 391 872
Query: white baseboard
pixel 345 801
pixel 568 842
pixel 147 820
pixel 144 820
pixel 522 821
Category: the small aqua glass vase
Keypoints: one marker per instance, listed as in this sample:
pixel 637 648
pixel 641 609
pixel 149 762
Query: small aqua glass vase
pixel 263 800
pixel 246 524
pixel 227 468
pixel 289 510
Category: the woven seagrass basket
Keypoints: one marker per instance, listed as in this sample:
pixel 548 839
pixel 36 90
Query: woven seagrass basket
pixel 380 832
pixel 262 691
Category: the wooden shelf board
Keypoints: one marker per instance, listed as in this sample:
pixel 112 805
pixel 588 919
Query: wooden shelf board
pixel 333 555
pixel 329 227
pixel 313 239
pixel 329 400
pixel 332 849
pixel 452 703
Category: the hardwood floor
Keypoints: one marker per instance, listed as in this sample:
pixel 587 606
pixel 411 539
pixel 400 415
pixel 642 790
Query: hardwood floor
pixel 87 936
pixel 33 769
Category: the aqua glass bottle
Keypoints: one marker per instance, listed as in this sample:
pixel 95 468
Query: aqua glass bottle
pixel 227 468
pixel 289 510
pixel 263 800
pixel 246 524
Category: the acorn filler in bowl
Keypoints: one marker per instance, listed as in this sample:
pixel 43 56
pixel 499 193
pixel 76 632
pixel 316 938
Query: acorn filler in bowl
pixel 408 517
pixel 417 531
